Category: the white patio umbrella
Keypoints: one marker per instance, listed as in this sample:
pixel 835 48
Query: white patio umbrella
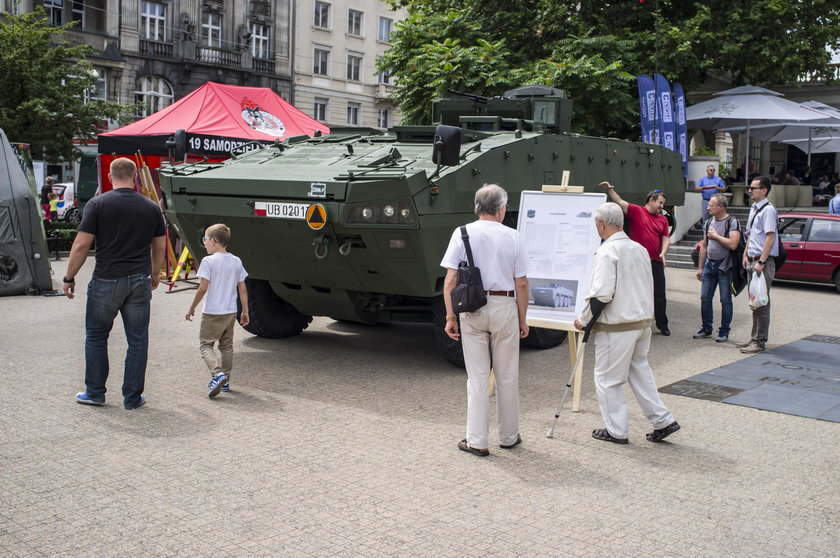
pixel 812 136
pixel 746 106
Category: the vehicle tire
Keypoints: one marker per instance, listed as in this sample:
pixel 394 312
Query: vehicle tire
pixel 271 316
pixel 543 338
pixel 672 221
pixel 837 279
pixel 72 216
pixel 558 301
pixel 452 350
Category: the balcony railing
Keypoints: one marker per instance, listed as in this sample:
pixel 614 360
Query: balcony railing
pixel 263 66
pixel 156 49
pixel 811 78
pixel 219 56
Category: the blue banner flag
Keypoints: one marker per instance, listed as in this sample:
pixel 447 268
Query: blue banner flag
pixel 681 127
pixel 665 110
pixel 647 102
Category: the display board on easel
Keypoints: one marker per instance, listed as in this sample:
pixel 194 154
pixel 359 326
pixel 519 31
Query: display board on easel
pixel 558 230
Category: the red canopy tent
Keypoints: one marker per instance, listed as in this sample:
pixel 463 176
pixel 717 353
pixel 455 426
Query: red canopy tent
pixel 217 118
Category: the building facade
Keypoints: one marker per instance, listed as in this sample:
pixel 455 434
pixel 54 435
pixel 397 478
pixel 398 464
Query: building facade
pixel 320 55
pixel 337 44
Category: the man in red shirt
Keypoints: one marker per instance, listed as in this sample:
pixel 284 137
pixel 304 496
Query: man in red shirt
pixel 649 228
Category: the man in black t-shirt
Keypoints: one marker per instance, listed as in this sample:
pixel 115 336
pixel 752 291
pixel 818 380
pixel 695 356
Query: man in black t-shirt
pixel 129 232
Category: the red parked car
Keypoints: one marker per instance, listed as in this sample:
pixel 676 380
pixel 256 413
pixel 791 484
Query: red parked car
pixel 813 245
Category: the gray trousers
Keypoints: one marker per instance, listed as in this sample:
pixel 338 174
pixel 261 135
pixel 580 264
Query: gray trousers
pixel 761 316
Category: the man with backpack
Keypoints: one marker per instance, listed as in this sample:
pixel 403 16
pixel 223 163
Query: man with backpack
pixel 760 257
pixel 716 265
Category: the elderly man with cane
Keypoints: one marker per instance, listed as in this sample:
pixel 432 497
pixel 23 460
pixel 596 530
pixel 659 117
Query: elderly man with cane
pixel 621 280
pixel 490 335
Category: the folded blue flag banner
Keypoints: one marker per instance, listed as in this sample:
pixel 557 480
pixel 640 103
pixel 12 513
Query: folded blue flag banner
pixel 681 126
pixel 647 101
pixel 665 116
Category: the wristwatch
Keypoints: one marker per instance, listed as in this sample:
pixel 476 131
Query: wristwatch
pixel 761 262
pixel 66 280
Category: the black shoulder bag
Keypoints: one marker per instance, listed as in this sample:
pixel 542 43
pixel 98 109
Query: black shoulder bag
pixel 468 295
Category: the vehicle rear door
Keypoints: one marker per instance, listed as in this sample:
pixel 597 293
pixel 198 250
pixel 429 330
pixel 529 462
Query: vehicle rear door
pixel 821 251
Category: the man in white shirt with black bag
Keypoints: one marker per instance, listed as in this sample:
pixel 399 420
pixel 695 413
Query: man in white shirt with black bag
pixel 490 335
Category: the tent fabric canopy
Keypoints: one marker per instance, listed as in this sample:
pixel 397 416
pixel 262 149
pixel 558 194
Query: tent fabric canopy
pixel 217 118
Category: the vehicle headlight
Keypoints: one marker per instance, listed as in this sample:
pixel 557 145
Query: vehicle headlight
pixel 383 213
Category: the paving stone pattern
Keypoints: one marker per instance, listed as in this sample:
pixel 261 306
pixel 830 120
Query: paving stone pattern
pixel 342 442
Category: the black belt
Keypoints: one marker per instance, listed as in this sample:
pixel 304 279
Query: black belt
pixel 499 293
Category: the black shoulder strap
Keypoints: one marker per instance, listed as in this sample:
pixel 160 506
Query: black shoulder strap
pixel 757 211
pixel 466 238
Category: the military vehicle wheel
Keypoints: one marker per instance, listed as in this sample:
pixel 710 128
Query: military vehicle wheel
pixel 271 316
pixel 452 350
pixel 558 301
pixel 543 338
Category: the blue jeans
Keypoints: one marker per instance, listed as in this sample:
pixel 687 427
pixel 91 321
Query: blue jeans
pixel 714 278
pixel 131 297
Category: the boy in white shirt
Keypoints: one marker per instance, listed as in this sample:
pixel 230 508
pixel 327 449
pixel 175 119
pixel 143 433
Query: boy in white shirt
pixel 222 275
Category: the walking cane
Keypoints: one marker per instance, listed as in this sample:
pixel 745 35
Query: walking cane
pixel 597 306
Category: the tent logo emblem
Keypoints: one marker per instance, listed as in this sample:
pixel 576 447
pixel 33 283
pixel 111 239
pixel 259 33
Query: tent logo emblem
pixel 261 120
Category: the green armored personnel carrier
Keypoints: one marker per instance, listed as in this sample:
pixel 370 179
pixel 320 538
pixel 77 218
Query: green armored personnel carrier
pixel 353 225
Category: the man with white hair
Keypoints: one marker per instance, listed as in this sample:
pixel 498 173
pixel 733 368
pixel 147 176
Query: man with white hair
pixel 621 282
pixel 490 335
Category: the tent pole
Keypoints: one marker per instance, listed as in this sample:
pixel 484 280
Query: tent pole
pixel 809 146
pixel 747 157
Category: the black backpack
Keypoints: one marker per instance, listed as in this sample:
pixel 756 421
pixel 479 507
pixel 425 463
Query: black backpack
pixel 782 257
pixel 738 279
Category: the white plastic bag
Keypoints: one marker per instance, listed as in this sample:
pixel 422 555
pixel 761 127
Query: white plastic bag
pixel 758 291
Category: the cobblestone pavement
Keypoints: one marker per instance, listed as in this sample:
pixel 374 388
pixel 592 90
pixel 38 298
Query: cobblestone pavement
pixel 342 442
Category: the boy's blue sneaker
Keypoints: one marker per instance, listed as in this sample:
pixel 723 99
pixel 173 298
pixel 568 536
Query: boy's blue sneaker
pixel 216 384
pixel 83 398
pixel 226 388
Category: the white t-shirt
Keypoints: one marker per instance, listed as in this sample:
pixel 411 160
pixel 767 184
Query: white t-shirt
pixel 497 251
pixel 224 271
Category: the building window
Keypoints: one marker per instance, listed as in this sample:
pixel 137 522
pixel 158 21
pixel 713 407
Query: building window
pixel 355 23
pixel 353 113
pixel 211 29
pixel 354 67
pixel 259 40
pixel 153 93
pixel 322 14
pixel 54 9
pixel 385 29
pixel 322 62
pixel 320 112
pixel 383 76
pixel 153 21
pixel 384 120
pixel 78 12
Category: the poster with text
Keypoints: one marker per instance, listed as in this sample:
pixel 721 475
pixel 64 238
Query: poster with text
pixel 559 234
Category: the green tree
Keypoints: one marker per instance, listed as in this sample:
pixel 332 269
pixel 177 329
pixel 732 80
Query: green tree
pixel 593 49
pixel 45 81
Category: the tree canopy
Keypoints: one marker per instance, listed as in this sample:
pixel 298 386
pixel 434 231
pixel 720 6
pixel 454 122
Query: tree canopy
pixel 593 49
pixel 45 86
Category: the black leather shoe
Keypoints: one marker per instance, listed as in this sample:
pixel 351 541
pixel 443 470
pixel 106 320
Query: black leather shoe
pixel 665 331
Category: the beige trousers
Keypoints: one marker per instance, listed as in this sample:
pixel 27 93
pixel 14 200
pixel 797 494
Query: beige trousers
pixel 217 328
pixel 621 357
pixel 490 337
